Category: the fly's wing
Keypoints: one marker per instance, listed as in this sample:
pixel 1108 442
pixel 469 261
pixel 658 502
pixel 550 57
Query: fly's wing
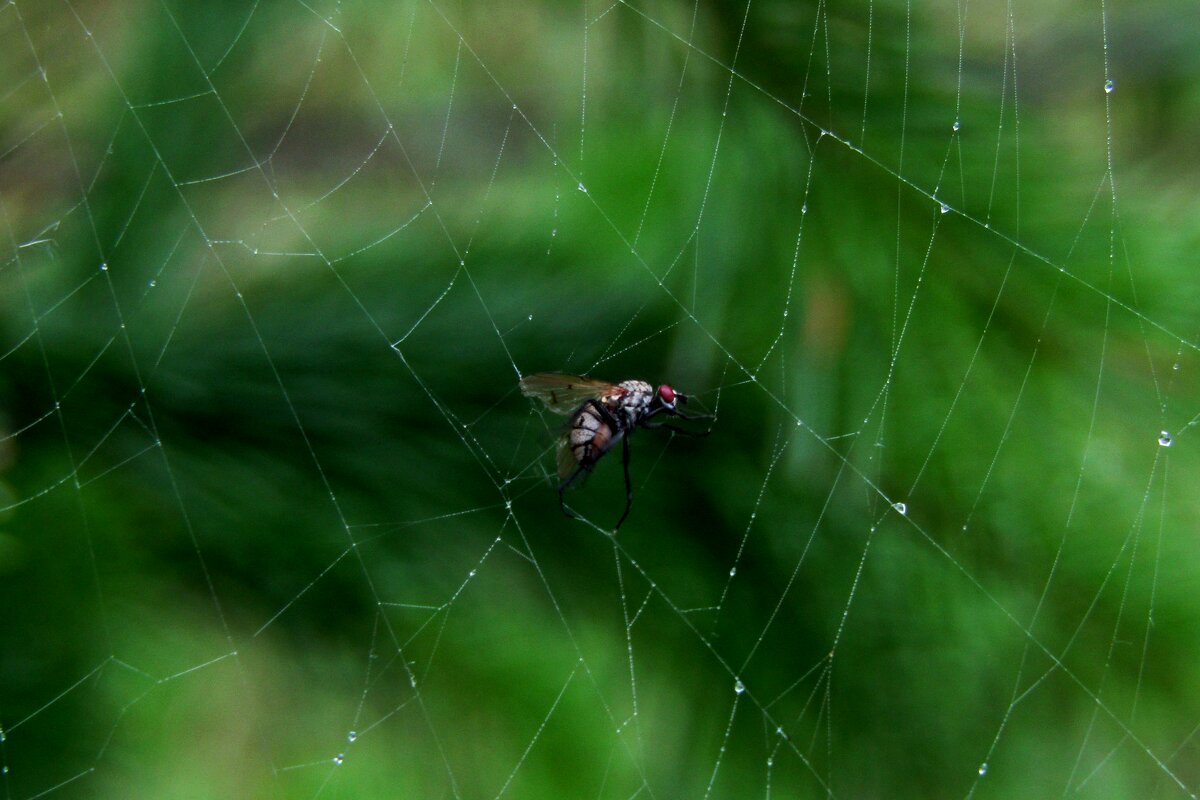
pixel 563 394
pixel 565 458
pixel 567 465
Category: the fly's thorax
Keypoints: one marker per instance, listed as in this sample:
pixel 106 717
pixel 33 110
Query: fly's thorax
pixel 633 403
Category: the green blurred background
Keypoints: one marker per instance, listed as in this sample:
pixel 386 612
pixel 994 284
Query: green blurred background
pixel 276 522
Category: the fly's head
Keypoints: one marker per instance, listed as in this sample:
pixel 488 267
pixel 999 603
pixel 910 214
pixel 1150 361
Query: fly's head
pixel 668 397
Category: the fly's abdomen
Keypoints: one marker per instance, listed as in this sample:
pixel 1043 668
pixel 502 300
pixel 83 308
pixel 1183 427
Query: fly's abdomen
pixel 590 437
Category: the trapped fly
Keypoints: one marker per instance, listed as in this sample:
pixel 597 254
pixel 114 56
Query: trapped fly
pixel 603 414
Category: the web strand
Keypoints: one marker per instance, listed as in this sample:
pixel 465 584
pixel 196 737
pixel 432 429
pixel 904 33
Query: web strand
pixel 274 488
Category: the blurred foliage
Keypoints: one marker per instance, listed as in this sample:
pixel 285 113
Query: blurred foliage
pixel 271 273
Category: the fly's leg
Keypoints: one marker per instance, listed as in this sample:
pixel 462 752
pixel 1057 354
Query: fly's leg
pixel 562 487
pixel 562 503
pixel 628 484
pixel 605 415
pixel 676 429
pixel 645 422
pixel 694 417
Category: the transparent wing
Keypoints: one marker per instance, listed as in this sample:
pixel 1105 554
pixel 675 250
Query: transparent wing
pixel 566 458
pixel 563 394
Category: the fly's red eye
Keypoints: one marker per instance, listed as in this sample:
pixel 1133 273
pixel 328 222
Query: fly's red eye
pixel 667 394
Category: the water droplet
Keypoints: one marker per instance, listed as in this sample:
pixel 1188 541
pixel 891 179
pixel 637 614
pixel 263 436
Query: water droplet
pixel 1164 438
pixel 351 736
pixel 738 687
pixel 785 312
pixel 945 208
pixel 732 571
pixel 412 681
pixel 530 317
pixel 339 758
pixel 1108 87
pixel 104 267
pixel 900 507
pixel 1175 366
pixel 770 761
pixel 582 188
pixel 554 233
pixel 153 283
pixel 779 731
pixel 983 769
pixel 472 573
pixel 956 125
pixel 804 208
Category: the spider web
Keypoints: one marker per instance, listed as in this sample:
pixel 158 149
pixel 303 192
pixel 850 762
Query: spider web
pixel 274 519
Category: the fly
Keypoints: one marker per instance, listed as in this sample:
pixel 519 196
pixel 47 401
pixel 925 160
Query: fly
pixel 603 414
